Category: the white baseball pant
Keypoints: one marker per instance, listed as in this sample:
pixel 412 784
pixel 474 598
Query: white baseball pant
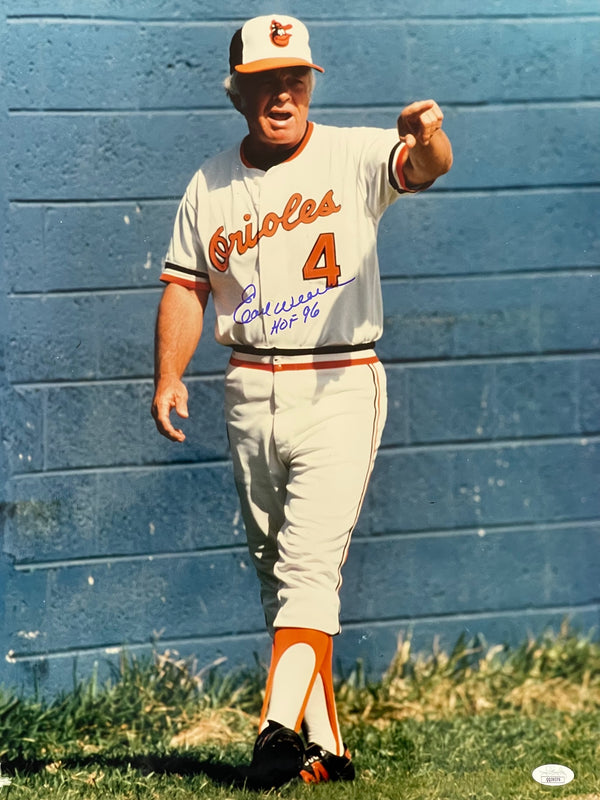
pixel 304 432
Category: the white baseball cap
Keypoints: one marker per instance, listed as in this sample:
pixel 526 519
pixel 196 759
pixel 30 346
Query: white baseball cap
pixel 270 42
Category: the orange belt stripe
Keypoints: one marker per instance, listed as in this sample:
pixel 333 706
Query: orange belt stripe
pixel 348 362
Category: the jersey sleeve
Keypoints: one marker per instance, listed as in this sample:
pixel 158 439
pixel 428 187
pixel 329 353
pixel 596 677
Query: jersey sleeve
pixel 184 263
pixel 382 162
pixel 397 160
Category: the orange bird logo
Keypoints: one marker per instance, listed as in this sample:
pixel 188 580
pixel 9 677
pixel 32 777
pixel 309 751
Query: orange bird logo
pixel 279 33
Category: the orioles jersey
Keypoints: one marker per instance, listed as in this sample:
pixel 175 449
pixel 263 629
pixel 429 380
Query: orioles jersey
pixel 290 253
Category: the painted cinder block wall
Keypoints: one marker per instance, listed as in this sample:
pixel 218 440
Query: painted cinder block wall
pixel 483 513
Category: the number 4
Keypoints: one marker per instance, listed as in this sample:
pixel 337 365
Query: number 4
pixel 322 261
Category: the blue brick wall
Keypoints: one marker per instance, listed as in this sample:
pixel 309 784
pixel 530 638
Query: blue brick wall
pixel 483 513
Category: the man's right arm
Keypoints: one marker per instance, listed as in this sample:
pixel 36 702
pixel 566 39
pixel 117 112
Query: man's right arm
pixel 178 330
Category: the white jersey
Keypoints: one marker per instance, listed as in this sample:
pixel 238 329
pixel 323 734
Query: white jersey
pixel 290 254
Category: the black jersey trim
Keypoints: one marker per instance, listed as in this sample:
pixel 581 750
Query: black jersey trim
pixel 392 172
pixel 394 179
pixel 185 270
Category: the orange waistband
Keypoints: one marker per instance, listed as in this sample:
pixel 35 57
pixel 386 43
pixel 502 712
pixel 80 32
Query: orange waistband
pixel 278 364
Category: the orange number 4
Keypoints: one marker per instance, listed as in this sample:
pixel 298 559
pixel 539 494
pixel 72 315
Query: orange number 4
pixel 322 261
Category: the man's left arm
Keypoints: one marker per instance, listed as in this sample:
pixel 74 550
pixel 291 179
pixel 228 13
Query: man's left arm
pixel 429 149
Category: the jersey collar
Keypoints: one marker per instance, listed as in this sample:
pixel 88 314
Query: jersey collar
pixel 295 153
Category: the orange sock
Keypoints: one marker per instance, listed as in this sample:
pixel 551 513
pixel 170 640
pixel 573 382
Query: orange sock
pixel 297 657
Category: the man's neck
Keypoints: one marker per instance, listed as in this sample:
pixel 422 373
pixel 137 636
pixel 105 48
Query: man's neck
pixel 264 157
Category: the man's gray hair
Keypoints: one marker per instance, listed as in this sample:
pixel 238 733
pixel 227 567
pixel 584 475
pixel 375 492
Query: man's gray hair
pixel 234 89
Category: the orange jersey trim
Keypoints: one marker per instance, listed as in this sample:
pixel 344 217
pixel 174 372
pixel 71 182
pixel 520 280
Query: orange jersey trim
pixel 199 287
pixel 402 159
pixel 401 177
pixel 295 154
pixel 347 362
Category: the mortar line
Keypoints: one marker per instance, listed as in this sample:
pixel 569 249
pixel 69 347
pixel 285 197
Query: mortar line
pixel 218 638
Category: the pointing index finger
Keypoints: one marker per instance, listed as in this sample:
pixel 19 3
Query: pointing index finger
pixel 418 107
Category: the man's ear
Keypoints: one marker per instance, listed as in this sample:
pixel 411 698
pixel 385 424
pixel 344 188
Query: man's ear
pixel 237 103
pixel 232 94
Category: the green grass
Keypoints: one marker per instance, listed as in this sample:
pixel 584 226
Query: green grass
pixel 471 724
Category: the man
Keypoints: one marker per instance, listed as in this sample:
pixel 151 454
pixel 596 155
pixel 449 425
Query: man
pixel 281 230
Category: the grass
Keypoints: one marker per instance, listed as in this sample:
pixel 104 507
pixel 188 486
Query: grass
pixel 471 724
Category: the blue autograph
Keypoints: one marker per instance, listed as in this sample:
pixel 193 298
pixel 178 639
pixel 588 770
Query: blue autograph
pixel 244 314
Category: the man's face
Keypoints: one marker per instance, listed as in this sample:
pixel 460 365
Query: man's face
pixel 275 104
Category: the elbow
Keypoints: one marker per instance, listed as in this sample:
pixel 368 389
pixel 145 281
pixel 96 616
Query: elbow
pixel 441 167
pixel 443 152
pixel 447 161
pixel 447 165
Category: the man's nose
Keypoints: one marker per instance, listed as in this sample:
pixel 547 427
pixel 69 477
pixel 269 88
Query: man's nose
pixel 281 89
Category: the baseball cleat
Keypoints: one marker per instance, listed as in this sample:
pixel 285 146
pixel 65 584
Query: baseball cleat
pixel 321 766
pixel 278 757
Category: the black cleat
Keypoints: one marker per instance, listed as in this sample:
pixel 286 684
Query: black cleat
pixel 321 766
pixel 278 757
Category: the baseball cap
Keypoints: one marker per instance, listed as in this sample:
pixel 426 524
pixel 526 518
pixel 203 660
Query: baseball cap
pixel 270 42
